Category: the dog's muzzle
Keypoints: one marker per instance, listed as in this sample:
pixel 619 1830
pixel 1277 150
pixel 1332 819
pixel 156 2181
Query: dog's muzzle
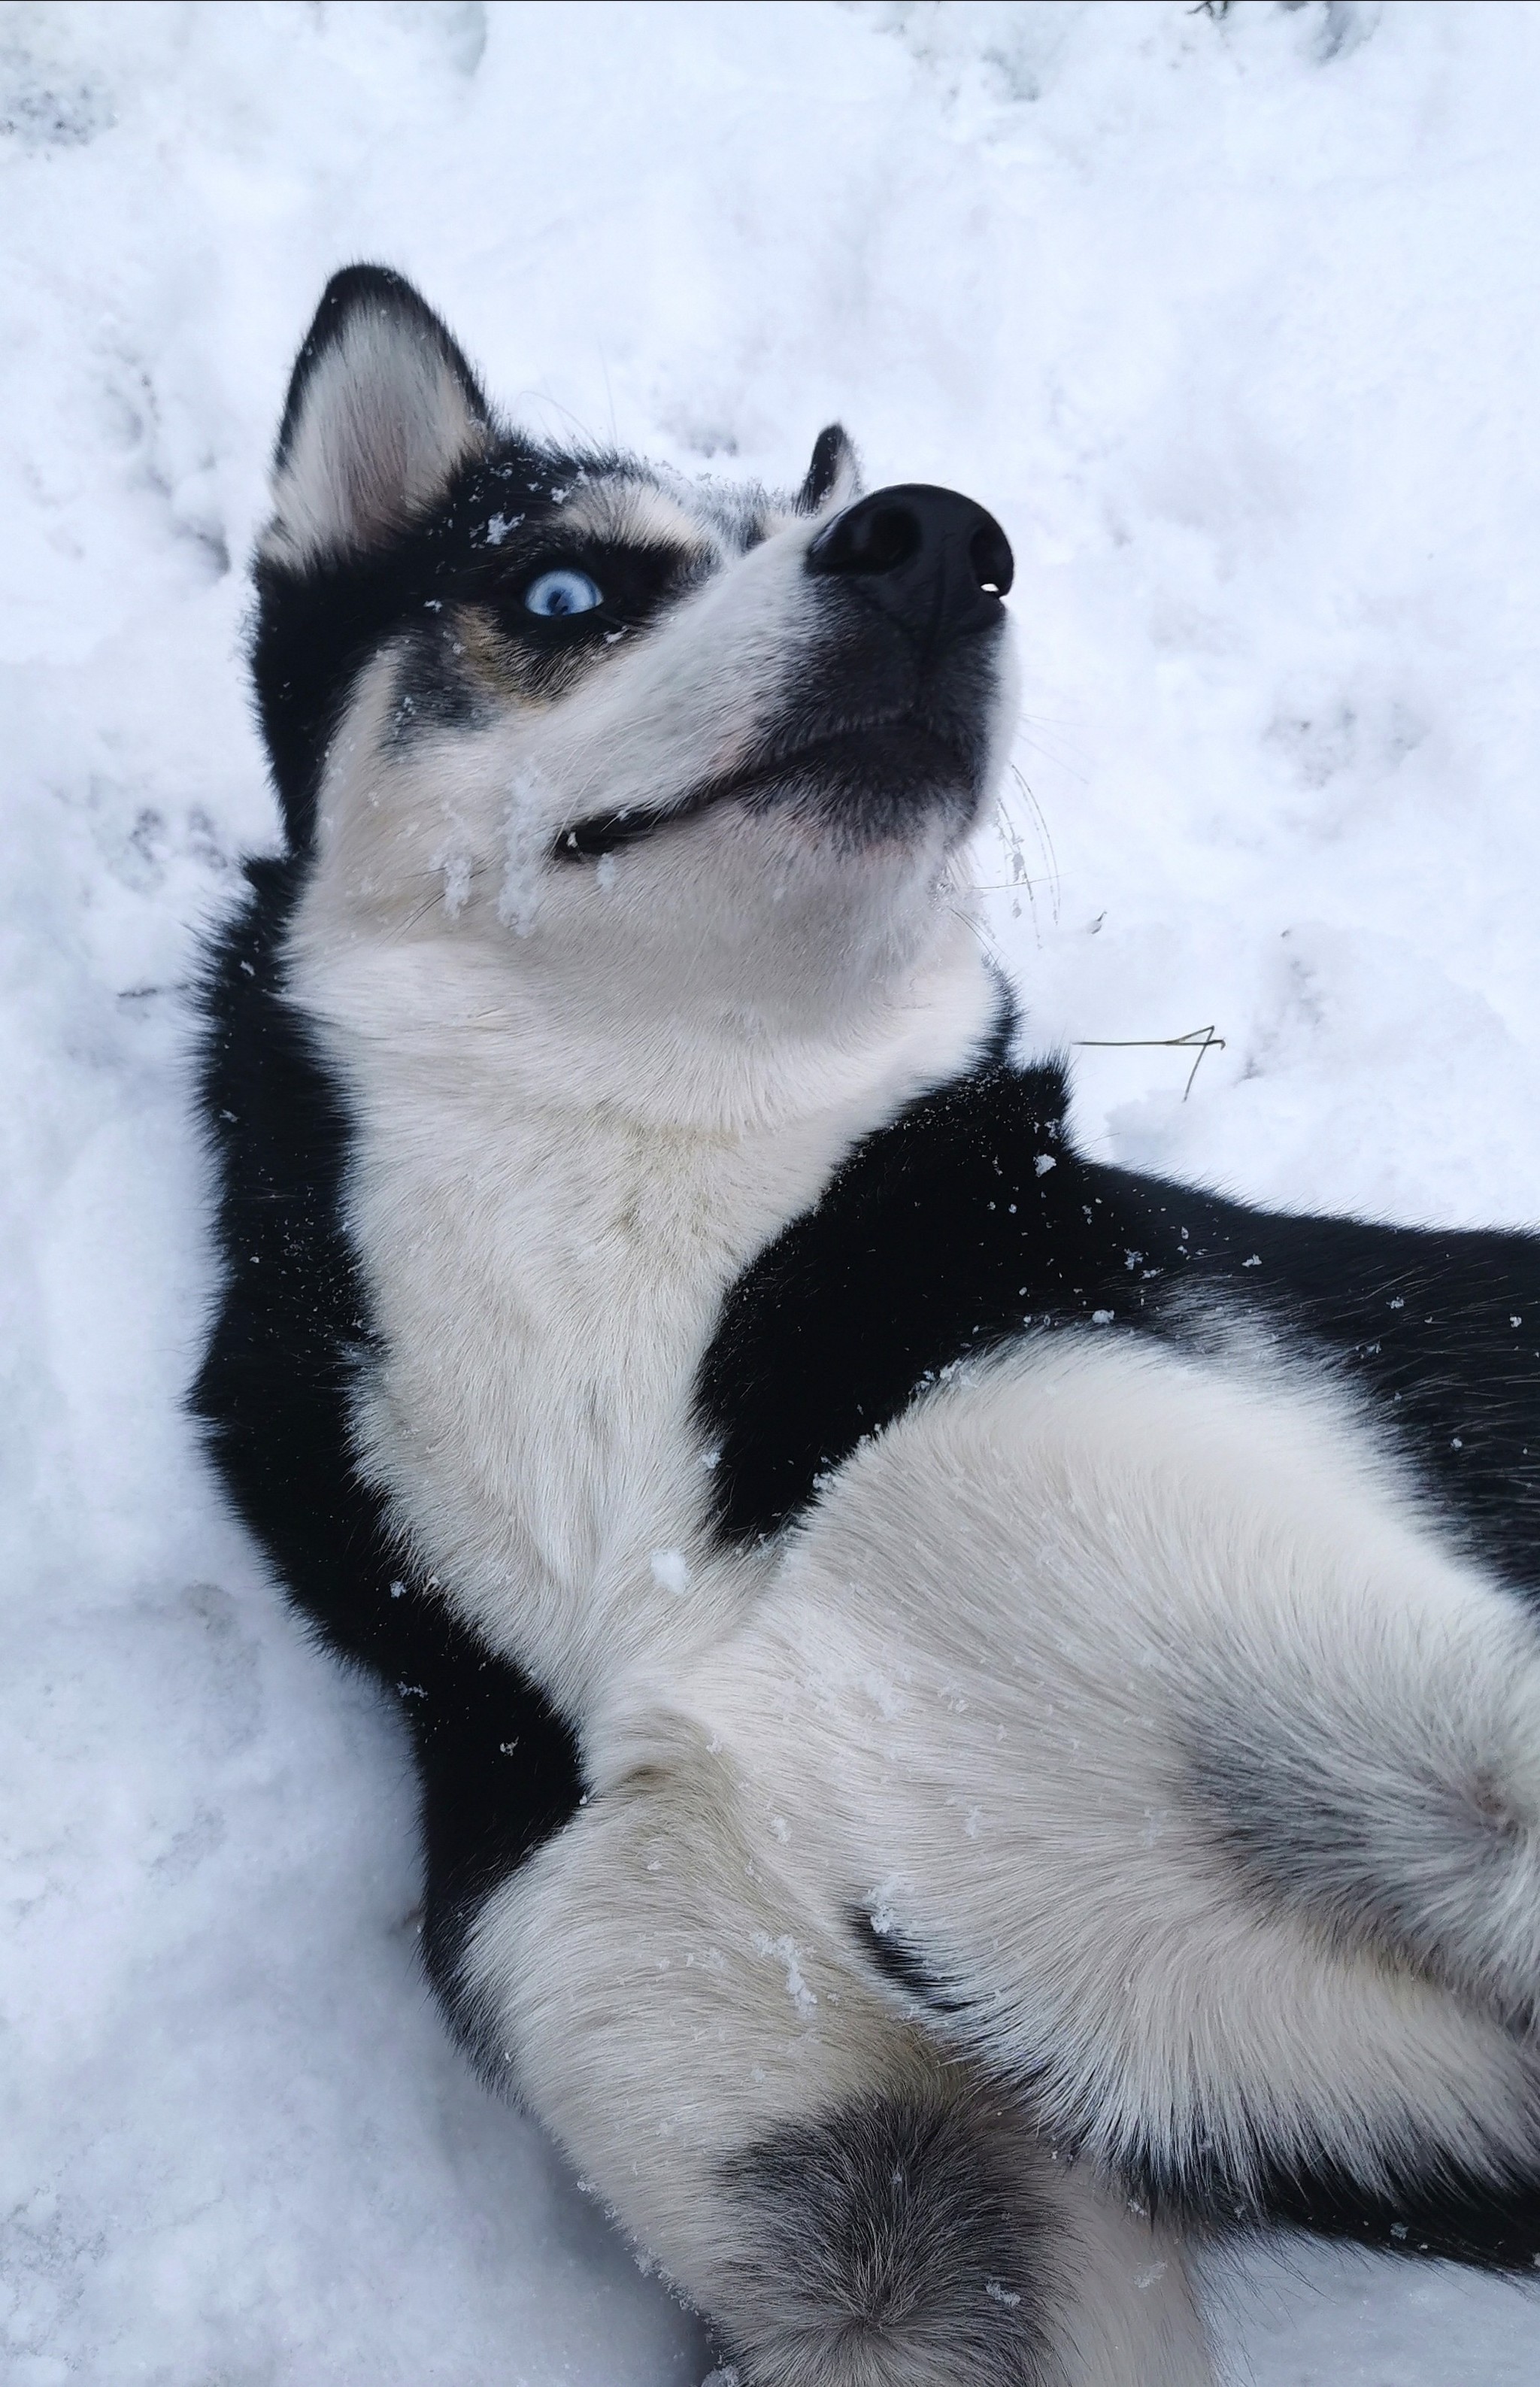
pixel 883 724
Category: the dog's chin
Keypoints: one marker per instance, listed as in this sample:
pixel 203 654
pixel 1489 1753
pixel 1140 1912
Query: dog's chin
pixel 894 786
pixel 889 784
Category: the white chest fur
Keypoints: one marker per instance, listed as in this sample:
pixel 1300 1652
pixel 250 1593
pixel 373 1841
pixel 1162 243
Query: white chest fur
pixel 545 1275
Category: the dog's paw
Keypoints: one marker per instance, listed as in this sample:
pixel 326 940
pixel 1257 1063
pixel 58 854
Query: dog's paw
pixel 1398 1802
pixel 917 2238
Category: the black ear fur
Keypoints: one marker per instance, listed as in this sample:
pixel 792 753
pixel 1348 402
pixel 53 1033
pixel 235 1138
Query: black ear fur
pixel 834 462
pixel 381 409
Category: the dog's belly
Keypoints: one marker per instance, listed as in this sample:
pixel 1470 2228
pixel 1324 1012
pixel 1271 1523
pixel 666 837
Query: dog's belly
pixel 1127 1716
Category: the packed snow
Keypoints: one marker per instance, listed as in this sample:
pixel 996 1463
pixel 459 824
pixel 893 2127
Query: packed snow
pixel 1230 319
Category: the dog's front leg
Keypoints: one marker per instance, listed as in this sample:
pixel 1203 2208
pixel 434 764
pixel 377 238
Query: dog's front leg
pixel 1166 1759
pixel 848 2208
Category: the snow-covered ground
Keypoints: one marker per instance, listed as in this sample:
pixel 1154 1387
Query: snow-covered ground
pixel 1232 322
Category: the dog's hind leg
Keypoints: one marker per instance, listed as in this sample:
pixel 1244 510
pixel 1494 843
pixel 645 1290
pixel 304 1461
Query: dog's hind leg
pixel 849 2206
pixel 1159 1757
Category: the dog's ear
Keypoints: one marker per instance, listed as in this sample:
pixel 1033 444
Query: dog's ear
pixel 382 409
pixel 834 475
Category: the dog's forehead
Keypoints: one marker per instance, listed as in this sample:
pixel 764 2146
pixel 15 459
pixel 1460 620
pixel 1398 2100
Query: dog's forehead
pixel 636 510
pixel 624 500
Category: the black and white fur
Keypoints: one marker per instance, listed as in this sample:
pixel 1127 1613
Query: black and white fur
pixel 978 1715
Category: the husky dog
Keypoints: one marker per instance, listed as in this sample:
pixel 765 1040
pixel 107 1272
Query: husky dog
pixel 978 1715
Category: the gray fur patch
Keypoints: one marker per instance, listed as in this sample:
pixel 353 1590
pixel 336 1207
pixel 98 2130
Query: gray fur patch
pixel 897 2241
pixel 1383 1836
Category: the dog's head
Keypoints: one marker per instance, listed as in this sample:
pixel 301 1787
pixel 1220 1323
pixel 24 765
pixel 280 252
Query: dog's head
pixel 642 743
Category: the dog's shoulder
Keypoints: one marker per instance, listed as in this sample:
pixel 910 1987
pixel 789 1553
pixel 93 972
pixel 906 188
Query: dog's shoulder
pixel 973 1220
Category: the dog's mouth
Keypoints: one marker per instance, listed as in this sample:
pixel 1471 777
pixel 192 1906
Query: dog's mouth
pixel 896 765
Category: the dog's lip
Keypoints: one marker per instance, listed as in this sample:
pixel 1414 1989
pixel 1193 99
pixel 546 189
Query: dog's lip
pixel 601 833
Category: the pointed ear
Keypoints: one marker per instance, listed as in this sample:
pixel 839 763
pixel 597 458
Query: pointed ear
pixel 834 475
pixel 382 409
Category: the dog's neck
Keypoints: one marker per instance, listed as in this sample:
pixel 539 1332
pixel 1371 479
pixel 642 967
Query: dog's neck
pixel 547 1269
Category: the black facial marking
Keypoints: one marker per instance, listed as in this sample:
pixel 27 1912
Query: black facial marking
pixel 910 722
pixel 601 833
pixel 633 581
pixel 319 624
pixel 972 1220
pixel 433 690
pixel 499 1766
pixel 507 512
pixel 502 523
pixel 877 779
pixel 870 744
pixel 887 721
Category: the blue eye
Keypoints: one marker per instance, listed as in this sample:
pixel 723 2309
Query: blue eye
pixel 555 594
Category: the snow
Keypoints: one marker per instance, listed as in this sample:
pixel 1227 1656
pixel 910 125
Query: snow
pixel 1231 324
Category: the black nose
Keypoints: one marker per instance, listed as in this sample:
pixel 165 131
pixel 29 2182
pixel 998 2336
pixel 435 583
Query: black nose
pixel 934 560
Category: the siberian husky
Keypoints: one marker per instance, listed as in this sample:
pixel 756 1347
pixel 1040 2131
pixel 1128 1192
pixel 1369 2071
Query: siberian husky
pixel 978 1715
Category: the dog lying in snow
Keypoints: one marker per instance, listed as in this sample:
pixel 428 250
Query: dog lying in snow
pixel 978 1715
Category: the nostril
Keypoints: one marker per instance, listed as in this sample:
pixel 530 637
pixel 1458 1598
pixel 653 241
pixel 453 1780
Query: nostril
pixel 886 539
pixel 868 538
pixel 989 555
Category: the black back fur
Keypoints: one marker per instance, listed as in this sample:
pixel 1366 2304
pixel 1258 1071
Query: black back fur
pixel 972 1220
